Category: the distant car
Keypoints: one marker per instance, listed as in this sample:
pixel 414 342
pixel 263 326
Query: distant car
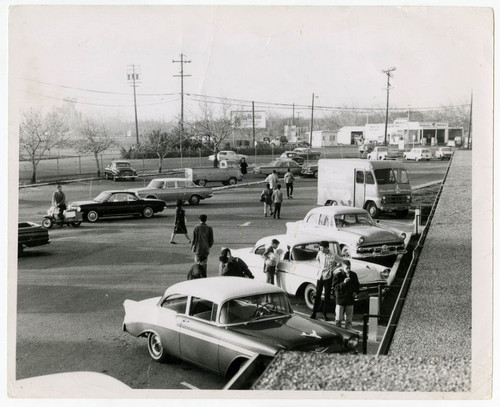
pixel 451 143
pixel 378 153
pixel 443 153
pixel 171 189
pixel 281 166
pixel 227 155
pixel 358 234
pixel 310 170
pixel 418 154
pixel 307 153
pixel 293 155
pixel 31 234
pixel 120 170
pixel 219 323
pixel 117 203
pixel 366 148
pixel 297 269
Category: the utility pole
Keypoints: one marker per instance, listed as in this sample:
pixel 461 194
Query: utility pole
pixel 253 122
pixel 388 72
pixel 133 78
pixel 312 118
pixel 182 62
pixel 469 138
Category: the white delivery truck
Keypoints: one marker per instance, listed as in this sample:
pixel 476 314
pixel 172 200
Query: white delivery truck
pixel 377 186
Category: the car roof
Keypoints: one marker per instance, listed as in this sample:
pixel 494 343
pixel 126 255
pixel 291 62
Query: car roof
pixel 115 191
pixel 292 240
pixel 170 179
pixel 219 289
pixel 337 210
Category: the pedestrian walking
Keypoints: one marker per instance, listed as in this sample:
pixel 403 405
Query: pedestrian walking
pixel 272 180
pixel 289 178
pixel 233 266
pixel 346 287
pixel 327 263
pixel 266 197
pixel 277 199
pixel 243 167
pixel 203 240
pixel 271 259
pixel 179 222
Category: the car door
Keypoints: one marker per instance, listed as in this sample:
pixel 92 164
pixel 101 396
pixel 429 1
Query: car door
pixel 135 205
pixel 169 320
pixel 298 266
pixel 199 334
pixel 169 192
pixel 359 188
pixel 117 204
pixel 183 192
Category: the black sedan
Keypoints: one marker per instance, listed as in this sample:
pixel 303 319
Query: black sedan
pixel 118 203
pixel 30 234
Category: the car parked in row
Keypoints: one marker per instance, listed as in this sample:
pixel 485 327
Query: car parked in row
pixel 293 155
pixel 310 170
pixel 443 153
pixel 280 166
pixel 227 155
pixel 120 169
pixel 31 234
pixel 172 189
pixel 307 153
pixel 358 234
pixel 417 154
pixel 117 203
pixel 296 272
pixel 220 323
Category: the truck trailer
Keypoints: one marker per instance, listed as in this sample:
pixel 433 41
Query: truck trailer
pixel 377 186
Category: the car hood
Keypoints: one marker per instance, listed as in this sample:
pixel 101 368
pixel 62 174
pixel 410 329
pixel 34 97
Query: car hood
pixel 292 333
pixel 80 203
pixel 141 189
pixel 371 234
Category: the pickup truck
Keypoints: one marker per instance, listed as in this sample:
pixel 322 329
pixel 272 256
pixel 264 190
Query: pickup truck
pixel 228 173
pixel 383 152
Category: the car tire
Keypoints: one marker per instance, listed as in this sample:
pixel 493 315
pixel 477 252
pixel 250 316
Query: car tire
pixel 310 295
pixel 201 182
pixel 373 210
pixel 315 174
pixel 402 214
pixel 148 212
pixel 47 223
pixel 92 216
pixel 155 348
pixel 194 200
pixel 345 252
pixel 233 181
pixel 76 224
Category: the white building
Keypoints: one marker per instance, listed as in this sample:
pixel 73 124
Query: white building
pixel 322 138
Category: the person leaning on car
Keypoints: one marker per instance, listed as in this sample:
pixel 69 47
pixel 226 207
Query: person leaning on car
pixel 230 266
pixel 328 262
pixel 59 201
pixel 346 287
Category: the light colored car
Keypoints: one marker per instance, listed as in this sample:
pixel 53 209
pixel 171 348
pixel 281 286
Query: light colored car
pixel 171 189
pixel 220 323
pixel 297 269
pixel 358 234
pixel 443 153
pixel 227 155
pixel 418 154
pixel 280 165
pixel 378 153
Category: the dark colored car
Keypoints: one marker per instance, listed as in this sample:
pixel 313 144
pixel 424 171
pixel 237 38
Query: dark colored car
pixel 118 203
pixel 293 155
pixel 310 170
pixel 120 170
pixel 280 165
pixel 307 153
pixel 31 234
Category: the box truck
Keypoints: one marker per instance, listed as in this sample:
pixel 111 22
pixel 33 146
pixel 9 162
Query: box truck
pixel 377 186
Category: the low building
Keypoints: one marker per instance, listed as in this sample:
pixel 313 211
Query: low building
pixel 322 138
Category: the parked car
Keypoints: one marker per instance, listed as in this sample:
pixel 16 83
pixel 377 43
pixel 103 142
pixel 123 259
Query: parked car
pixel 310 170
pixel 293 155
pixel 307 153
pixel 296 272
pixel 120 170
pixel 378 153
pixel 418 154
pixel 366 148
pixel 117 203
pixel 280 165
pixel 358 234
pixel 172 189
pixel 219 323
pixel 443 153
pixel 227 155
pixel 31 234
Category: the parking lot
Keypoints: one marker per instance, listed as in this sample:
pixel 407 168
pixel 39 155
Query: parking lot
pixel 70 293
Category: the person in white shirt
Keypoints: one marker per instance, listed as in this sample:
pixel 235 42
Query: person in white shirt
pixel 272 180
pixel 277 199
pixel 289 178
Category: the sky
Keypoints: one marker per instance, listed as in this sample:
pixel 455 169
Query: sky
pixel 279 55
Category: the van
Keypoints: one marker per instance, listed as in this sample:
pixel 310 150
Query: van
pixel 377 186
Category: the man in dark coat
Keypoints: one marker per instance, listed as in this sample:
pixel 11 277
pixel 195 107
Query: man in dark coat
pixel 346 287
pixel 203 240
pixel 233 266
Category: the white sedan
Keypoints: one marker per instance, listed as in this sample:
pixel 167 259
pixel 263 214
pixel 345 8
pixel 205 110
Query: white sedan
pixel 297 269
pixel 358 234
pixel 418 154
pixel 228 155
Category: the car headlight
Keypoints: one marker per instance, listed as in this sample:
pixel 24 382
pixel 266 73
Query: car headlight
pixel 408 197
pixel 384 198
pixel 385 274
pixel 361 240
pixel 402 236
pixel 352 342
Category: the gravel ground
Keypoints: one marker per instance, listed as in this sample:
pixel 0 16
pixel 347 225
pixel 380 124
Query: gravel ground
pixel 431 349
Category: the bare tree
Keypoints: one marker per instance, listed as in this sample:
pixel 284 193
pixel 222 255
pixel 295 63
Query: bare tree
pixel 39 134
pixel 214 127
pixel 159 143
pixel 94 139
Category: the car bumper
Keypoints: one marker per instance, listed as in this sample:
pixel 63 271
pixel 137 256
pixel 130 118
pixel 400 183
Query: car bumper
pixel 378 251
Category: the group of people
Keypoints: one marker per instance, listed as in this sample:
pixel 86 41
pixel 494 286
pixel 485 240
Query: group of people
pixel 272 195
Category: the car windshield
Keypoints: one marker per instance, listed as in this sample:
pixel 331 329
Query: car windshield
pixel 102 197
pixel 385 176
pixel 255 307
pixel 156 184
pixel 353 219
